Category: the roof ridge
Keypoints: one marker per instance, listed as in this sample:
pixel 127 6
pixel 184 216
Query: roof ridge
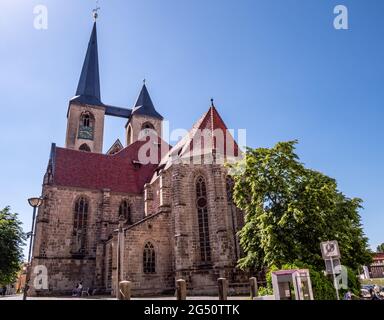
pixel 214 121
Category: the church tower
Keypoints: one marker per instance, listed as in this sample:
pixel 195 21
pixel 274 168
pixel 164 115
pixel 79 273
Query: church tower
pixel 144 118
pixel 85 118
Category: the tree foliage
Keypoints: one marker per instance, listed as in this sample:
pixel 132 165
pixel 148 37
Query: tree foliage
pixel 290 209
pixel 380 248
pixel 11 242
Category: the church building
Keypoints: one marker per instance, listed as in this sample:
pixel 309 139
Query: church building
pixel 144 211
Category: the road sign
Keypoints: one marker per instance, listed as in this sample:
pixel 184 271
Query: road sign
pixel 330 250
pixel 331 255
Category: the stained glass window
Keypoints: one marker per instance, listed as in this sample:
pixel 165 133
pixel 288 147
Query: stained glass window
pixel 202 211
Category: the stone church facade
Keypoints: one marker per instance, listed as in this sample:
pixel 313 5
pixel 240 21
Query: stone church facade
pixel 116 216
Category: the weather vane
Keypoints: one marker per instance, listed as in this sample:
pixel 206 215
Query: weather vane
pixel 95 11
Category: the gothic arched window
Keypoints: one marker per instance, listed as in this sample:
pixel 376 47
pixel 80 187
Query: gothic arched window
pixel 129 135
pixel 109 269
pixel 202 212
pixel 229 187
pixel 85 147
pixel 149 259
pixel 80 224
pixel 125 211
pixel 148 125
pixel 86 120
pixel 86 125
pixel 146 129
pixel 230 184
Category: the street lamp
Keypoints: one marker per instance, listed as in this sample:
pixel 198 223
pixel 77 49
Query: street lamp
pixel 34 203
pixel 119 241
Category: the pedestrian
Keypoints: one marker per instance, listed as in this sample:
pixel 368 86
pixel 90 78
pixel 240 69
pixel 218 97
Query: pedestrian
pixel 348 295
pixel 374 295
pixel 76 292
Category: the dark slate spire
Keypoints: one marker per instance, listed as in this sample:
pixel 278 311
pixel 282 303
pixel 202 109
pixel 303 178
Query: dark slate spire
pixel 88 89
pixel 144 105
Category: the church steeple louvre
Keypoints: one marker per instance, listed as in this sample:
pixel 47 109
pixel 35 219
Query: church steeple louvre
pixel 88 89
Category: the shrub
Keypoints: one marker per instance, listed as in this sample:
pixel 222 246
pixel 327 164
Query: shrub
pixel 265 291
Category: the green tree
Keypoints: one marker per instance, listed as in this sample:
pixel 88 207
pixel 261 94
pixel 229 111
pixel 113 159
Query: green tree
pixel 290 209
pixel 11 242
pixel 380 248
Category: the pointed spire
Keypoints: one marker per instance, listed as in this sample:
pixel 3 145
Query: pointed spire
pixel 144 105
pixel 88 89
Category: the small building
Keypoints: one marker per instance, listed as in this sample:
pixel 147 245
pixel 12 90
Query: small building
pixel 376 269
pixel 292 285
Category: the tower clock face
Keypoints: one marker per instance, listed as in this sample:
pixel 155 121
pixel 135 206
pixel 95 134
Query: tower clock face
pixel 85 133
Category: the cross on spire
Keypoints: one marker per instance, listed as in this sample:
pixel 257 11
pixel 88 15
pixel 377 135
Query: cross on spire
pixel 95 13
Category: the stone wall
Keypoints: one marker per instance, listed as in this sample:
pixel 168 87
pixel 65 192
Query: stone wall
pixel 54 240
pixel 171 225
pixel 202 277
pixel 136 123
pixel 156 230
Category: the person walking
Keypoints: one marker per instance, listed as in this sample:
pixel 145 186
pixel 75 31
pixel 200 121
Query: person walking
pixel 348 295
pixel 374 295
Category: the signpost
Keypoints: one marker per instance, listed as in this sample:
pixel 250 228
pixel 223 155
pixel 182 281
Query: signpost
pixel 331 255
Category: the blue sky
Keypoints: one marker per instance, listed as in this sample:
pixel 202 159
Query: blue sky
pixel 277 68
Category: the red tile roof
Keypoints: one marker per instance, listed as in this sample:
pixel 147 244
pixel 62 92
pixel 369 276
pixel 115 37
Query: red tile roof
pixel 116 172
pixel 213 121
pixel 119 173
pixel 378 256
pixel 195 142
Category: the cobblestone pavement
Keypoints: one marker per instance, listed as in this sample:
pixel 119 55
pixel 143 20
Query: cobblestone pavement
pixel 20 297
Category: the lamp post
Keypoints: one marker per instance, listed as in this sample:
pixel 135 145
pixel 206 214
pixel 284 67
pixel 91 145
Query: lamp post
pixel 119 241
pixel 34 203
